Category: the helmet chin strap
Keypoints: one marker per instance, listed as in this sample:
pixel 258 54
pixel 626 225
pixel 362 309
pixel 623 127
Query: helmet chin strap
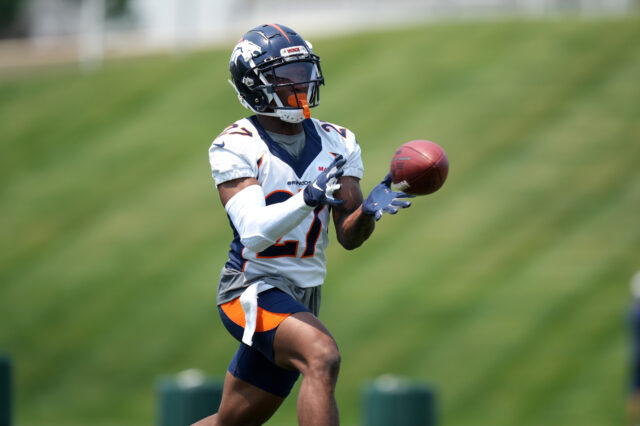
pixel 288 115
pixel 291 115
pixel 295 115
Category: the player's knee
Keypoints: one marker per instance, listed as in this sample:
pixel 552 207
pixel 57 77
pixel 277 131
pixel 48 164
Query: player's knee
pixel 325 362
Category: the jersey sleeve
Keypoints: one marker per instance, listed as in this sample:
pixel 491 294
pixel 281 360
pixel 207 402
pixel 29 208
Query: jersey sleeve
pixel 232 157
pixel 353 166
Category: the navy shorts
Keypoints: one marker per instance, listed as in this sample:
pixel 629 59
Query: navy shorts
pixel 255 364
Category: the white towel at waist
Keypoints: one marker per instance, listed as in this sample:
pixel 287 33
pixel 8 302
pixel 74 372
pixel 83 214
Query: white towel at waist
pixel 249 303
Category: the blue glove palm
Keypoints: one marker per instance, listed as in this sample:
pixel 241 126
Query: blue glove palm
pixel 383 200
pixel 321 190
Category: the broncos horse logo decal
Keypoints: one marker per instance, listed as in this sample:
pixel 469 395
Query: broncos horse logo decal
pixel 246 49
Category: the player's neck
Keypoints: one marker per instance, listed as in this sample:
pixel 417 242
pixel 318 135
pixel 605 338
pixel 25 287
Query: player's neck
pixel 275 125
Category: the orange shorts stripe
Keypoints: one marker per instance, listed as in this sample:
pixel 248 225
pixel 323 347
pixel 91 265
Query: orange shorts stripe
pixel 265 320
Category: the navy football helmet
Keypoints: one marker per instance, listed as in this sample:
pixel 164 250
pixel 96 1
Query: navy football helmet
pixel 275 72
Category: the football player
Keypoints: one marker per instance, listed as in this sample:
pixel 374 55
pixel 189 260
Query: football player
pixel 281 176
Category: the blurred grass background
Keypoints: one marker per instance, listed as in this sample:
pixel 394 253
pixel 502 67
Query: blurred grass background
pixel 507 289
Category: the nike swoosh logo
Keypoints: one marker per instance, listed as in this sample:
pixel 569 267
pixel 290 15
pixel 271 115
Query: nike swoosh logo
pixel 219 145
pixel 316 186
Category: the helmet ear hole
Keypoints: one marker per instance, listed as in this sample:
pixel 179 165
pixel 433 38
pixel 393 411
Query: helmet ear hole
pixel 255 99
pixel 259 100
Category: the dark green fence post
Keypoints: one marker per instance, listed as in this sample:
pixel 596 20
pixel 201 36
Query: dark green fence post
pixel 186 398
pixel 5 390
pixel 393 401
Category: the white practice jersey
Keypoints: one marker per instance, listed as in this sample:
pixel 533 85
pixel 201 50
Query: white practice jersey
pixel 244 149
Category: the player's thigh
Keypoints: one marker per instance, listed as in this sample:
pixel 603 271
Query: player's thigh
pixel 255 364
pixel 245 404
pixel 302 341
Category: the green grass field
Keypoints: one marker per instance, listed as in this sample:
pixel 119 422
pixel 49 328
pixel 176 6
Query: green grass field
pixel 506 290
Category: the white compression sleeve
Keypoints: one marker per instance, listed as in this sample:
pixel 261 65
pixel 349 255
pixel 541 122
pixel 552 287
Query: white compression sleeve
pixel 260 225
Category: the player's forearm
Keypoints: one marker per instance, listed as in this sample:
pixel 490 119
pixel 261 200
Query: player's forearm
pixel 259 225
pixel 355 229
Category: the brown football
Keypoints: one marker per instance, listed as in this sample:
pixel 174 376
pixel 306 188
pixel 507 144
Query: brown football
pixel 419 167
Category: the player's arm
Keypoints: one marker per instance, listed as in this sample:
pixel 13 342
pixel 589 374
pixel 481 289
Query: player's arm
pixel 355 220
pixel 259 225
pixel 227 190
pixel 353 227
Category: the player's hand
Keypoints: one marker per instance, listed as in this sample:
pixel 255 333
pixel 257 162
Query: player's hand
pixel 384 200
pixel 321 190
